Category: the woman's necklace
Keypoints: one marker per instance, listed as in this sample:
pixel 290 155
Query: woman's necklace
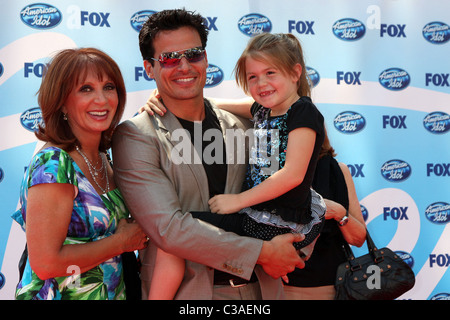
pixel 89 163
pixel 95 173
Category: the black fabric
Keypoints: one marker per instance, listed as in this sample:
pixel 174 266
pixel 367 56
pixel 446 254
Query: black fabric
pixel 131 276
pixel 267 232
pixel 295 204
pixel 320 269
pixel 228 222
pixel 216 171
pixel 23 261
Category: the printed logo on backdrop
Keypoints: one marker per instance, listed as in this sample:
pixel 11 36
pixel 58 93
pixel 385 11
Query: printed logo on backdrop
pixel 2 174
pixel 395 79
pixel 405 256
pixel 253 24
pixel 214 76
pixel 438 212
pixel 139 18
pixel 365 212
pixel 437 122
pixel 313 75
pixel 41 16
pixel 2 280
pixel 441 296
pixel 396 170
pixel 393 30
pixel 349 29
pixel 302 27
pixel 31 118
pixel 1 69
pixel 436 32
pixel 349 122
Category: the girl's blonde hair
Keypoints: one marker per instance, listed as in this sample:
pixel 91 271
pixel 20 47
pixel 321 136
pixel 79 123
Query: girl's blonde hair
pixel 282 50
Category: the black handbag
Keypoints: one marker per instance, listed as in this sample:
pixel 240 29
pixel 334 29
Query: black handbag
pixel 378 275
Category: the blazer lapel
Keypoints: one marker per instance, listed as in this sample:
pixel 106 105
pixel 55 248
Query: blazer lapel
pixel 236 149
pixel 172 131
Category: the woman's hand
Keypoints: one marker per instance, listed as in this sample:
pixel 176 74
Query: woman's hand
pixel 131 235
pixel 334 210
pixel 154 105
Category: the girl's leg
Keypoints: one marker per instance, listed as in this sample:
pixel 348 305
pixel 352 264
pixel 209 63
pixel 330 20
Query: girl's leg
pixel 167 276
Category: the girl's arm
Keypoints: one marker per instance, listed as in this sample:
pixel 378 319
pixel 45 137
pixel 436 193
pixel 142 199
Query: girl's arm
pixel 298 155
pixel 49 210
pixel 239 107
pixel 166 277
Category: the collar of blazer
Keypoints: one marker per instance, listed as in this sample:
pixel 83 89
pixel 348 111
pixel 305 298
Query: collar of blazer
pixel 168 123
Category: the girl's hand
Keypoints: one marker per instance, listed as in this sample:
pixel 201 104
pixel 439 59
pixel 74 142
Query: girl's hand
pixel 225 203
pixel 131 235
pixel 154 105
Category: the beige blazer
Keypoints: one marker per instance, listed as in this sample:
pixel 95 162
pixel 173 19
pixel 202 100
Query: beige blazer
pixel 159 195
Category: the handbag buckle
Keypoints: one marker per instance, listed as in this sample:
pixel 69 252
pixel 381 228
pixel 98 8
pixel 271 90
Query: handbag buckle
pixel 356 267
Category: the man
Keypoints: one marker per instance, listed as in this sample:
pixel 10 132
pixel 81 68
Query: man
pixel 160 192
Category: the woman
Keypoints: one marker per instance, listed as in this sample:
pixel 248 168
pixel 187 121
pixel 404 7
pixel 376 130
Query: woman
pixel 73 216
pixel 344 222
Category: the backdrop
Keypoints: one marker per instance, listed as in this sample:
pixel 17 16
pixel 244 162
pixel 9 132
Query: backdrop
pixel 380 71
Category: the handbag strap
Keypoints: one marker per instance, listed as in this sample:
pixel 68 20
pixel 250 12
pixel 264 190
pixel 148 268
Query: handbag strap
pixel 373 250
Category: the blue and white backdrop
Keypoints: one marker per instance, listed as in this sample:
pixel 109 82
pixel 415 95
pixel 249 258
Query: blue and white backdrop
pixel 381 75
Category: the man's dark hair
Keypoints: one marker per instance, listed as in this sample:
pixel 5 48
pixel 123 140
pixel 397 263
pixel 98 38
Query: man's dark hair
pixel 167 20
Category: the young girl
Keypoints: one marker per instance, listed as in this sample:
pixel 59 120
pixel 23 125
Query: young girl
pixel 272 70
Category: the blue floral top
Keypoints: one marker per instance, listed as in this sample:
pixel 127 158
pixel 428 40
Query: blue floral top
pixel 94 217
pixel 268 155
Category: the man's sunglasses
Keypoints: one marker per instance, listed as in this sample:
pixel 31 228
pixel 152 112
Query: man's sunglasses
pixel 172 59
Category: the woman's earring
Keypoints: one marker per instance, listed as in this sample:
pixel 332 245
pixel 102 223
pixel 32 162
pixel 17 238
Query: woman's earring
pixel 65 116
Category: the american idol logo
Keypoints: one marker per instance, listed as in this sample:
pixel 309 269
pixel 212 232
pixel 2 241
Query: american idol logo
pixel 31 119
pixel 1 69
pixel 2 280
pixel 364 211
pixel 313 76
pixel 441 296
pixel 254 23
pixel 438 212
pixel 2 174
pixel 41 16
pixel 394 79
pixel 349 122
pixel 349 29
pixel 437 122
pixel 139 18
pixel 436 32
pixel 405 256
pixel 214 76
pixel 395 170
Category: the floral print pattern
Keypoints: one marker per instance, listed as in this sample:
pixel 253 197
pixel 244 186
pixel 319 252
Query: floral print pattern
pixel 93 217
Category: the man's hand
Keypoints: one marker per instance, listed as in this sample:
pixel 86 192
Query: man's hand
pixel 278 256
